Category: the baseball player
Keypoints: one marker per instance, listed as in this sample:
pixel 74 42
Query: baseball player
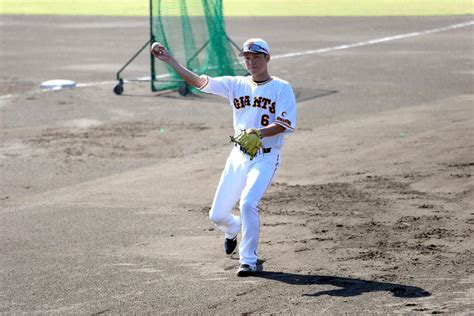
pixel 264 111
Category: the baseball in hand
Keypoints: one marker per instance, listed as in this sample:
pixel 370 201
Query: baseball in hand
pixel 156 48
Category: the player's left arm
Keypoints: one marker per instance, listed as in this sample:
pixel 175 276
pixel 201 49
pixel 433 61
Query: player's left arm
pixel 272 130
pixel 285 120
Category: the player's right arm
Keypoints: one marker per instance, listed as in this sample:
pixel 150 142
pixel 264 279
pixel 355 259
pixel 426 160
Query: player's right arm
pixel 160 52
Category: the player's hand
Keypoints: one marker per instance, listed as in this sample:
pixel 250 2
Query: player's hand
pixel 160 52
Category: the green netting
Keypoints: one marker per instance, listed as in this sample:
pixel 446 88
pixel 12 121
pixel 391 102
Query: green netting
pixel 194 32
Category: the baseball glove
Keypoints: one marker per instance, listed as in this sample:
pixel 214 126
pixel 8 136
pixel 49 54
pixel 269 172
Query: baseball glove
pixel 249 140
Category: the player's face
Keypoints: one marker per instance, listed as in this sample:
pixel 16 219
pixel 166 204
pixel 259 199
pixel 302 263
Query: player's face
pixel 256 63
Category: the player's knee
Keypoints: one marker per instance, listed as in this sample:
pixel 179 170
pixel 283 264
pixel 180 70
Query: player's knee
pixel 215 217
pixel 248 206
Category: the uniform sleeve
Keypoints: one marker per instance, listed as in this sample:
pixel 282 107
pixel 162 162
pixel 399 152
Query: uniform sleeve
pixel 286 109
pixel 218 85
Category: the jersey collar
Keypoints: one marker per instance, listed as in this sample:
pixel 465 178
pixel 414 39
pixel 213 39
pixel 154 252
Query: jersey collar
pixel 259 83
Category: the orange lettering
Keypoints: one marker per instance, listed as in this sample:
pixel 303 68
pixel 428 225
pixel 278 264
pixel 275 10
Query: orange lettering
pixel 247 100
pixel 257 102
pixel 237 104
pixel 265 102
pixel 272 108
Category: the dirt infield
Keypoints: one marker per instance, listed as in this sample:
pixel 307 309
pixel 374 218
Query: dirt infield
pixel 104 199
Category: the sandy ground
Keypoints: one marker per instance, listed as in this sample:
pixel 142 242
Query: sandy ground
pixel 104 199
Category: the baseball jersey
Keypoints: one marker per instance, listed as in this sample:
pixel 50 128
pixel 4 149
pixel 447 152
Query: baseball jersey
pixel 257 104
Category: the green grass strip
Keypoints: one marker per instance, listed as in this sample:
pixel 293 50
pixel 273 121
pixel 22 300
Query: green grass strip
pixel 249 7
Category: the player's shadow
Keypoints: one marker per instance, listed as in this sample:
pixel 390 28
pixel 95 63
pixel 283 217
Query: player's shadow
pixel 346 287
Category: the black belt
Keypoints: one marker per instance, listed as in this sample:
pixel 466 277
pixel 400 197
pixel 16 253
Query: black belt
pixel 264 150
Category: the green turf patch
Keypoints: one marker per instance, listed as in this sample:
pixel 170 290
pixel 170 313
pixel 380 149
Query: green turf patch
pixel 76 7
pixel 347 7
pixel 249 7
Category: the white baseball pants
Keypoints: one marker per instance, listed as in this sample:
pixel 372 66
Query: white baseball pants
pixel 246 180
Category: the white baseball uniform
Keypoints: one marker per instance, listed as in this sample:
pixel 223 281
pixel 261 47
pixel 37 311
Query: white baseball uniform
pixel 254 105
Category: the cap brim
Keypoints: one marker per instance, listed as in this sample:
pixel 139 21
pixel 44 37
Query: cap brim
pixel 253 52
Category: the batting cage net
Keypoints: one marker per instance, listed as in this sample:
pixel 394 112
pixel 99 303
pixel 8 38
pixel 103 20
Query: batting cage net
pixel 194 32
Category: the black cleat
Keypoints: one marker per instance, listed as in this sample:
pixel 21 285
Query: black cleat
pixel 246 270
pixel 230 245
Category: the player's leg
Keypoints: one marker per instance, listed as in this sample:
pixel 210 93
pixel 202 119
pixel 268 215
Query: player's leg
pixel 228 192
pixel 258 179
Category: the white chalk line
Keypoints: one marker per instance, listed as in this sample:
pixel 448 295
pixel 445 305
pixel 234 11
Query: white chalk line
pixel 308 52
pixel 339 47
pixel 375 41
pixel 100 83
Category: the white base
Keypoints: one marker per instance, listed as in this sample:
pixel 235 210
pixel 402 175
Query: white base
pixel 58 84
